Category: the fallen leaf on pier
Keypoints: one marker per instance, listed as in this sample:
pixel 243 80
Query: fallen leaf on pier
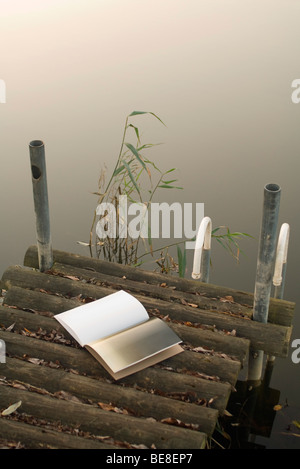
pixel 112 408
pixel 11 408
pixel 71 277
pixel 18 385
pixel 179 423
pixel 201 350
pixel 186 303
pixel 104 406
pixel 35 361
pixel 227 299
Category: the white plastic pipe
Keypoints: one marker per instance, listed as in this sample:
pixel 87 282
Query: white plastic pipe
pixel 203 241
pixel 281 253
pixel 280 267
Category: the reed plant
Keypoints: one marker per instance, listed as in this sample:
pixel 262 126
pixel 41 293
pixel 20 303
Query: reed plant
pixel 138 178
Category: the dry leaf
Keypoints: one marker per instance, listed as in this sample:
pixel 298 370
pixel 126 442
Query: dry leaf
pixel 104 406
pixel 172 421
pixel 11 408
pixel 71 277
pixel 112 408
pixel 277 407
pixel 201 350
pixel 188 323
pixel 17 385
pixel 227 299
pixel 179 423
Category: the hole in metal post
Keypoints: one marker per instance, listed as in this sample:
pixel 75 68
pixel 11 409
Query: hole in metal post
pixel 36 173
pixel 36 143
pixel 273 187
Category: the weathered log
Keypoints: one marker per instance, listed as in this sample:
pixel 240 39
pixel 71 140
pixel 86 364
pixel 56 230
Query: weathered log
pixel 37 301
pixel 100 422
pixel 196 336
pixel 153 379
pixel 160 291
pixel 271 338
pixel 31 436
pixel 280 311
pixel 133 401
pixel 209 363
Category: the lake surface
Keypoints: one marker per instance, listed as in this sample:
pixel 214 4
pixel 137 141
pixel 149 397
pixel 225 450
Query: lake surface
pixel 219 75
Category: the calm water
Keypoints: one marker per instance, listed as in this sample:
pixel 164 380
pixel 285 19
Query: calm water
pixel 218 73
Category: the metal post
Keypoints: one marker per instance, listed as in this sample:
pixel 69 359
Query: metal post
pixel 266 254
pixel 41 206
pixel 264 271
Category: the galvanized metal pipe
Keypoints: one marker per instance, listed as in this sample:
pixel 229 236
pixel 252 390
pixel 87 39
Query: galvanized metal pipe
pixel 266 254
pixel 264 271
pixel 202 251
pixel 41 205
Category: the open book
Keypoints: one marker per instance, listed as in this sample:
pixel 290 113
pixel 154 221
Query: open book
pixel 118 332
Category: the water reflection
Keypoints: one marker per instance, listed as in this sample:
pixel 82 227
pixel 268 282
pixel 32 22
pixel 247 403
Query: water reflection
pixel 257 413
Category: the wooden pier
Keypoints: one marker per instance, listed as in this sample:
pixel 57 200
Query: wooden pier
pixel 69 401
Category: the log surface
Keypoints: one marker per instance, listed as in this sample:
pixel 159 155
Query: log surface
pixel 67 398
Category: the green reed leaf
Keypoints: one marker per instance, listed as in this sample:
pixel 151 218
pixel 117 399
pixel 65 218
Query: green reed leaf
pixel 131 176
pixel 166 186
pixel 135 152
pixel 136 113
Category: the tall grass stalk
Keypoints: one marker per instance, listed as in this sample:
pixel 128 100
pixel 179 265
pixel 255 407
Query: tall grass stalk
pixel 138 177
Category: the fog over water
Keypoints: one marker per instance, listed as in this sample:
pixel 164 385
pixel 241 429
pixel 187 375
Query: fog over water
pixel 218 73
